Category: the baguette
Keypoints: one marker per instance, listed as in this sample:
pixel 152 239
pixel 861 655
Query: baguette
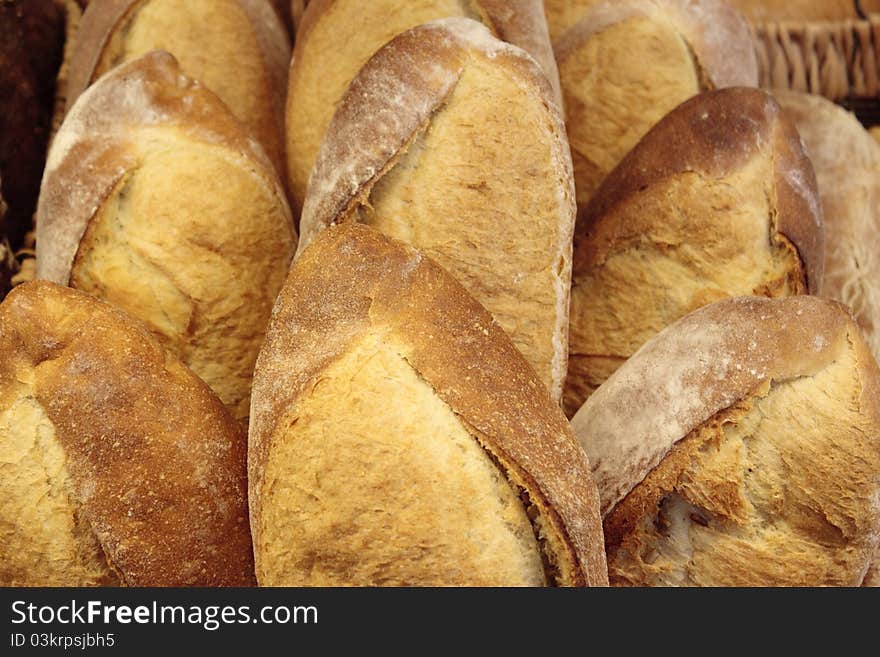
pixel 337 37
pixel 741 447
pixel 119 466
pixel 156 200
pixel 239 49
pixel 398 437
pixel 718 200
pixel 847 164
pixel 474 168
pixel 626 65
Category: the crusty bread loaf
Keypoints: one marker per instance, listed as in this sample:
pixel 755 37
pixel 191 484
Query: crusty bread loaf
pixel 563 14
pixel 847 164
pixel 449 139
pixel 337 37
pixel 627 64
pixel 718 200
pixel 156 200
pixel 118 466
pixel 239 49
pixel 31 41
pixel 799 11
pixel 741 447
pixel 399 438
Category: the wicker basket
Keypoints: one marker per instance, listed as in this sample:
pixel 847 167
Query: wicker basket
pixel 838 60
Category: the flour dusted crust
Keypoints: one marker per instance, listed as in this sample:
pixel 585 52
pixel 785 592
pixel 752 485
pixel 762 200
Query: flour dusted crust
pixel 628 64
pixel 337 37
pixel 847 164
pixel 95 148
pixel 150 485
pixel 721 40
pixel 156 200
pixel 106 21
pixel 698 382
pixel 352 281
pixel 718 200
pixel 715 134
pixel 392 108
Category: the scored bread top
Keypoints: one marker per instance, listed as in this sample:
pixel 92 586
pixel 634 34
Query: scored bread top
pixel 847 164
pixel 392 99
pixel 702 364
pixel 157 463
pixel 353 280
pixel 106 20
pixel 715 134
pixel 720 38
pixel 97 145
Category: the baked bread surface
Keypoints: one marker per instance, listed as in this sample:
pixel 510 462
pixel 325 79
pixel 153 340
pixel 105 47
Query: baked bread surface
pixel 119 466
pixel 156 200
pixel 239 49
pixel 448 139
pixel 718 200
pixel 398 437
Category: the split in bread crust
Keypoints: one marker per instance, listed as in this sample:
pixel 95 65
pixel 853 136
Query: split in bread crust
pixel 741 446
pixel 119 466
pixel 398 437
pixel 449 139
pixel 239 49
pixel 847 164
pixel 156 200
pixel 337 37
pixel 718 200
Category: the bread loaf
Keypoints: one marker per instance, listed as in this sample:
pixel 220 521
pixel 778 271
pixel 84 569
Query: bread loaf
pixel 156 200
pixel 627 64
pixel 741 447
pixel 797 11
pixel 473 168
pixel 239 49
pixel 297 9
pixel 847 163
pixel 337 37
pixel 398 437
pixel 119 466
pixel 563 14
pixel 718 200
pixel 31 41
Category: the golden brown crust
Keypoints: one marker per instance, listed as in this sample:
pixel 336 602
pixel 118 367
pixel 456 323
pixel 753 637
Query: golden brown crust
pixel 715 134
pixel 767 11
pixel 701 365
pixel 103 18
pixel 157 463
pixel 353 279
pixel 521 21
pixel 404 83
pixel 847 164
pixel 721 39
pixel 96 26
pixel 96 147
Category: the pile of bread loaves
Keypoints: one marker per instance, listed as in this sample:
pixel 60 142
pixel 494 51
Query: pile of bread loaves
pixel 484 293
